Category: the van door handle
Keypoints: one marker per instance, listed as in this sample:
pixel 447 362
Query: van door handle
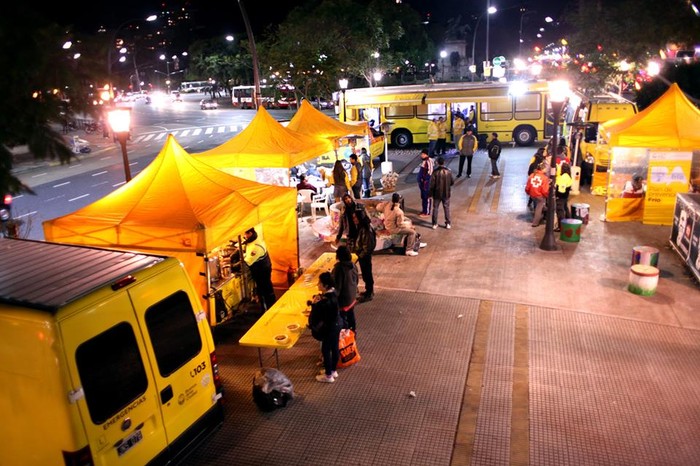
pixel 166 394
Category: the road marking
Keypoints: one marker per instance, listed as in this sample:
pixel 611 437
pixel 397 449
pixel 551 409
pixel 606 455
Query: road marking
pixel 100 173
pixel 61 184
pixel 209 130
pixel 520 411
pixel 185 133
pixel 78 198
pixel 197 132
pixel 222 129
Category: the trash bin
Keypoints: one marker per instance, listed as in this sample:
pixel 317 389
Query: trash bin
pixel 645 255
pixel 581 212
pixel 571 230
pixel 643 279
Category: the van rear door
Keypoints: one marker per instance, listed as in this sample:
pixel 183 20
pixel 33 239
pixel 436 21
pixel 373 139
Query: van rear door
pixel 113 384
pixel 179 347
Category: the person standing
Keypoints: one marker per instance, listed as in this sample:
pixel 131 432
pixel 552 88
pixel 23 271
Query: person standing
pixel 563 187
pixel 324 322
pixel 366 173
pixel 346 225
pixel 340 181
pixel 494 150
pixel 364 248
pixel 440 190
pixel 537 188
pixel 396 223
pixel 433 132
pixel 467 147
pixel 355 177
pixel 458 127
pixel 424 172
pixel 258 261
pixel 471 118
pixel 345 276
pixel 442 137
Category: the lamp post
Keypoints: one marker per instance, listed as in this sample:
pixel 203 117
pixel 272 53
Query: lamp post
pixel 523 13
pixel 114 41
pixel 489 11
pixel 443 54
pixel 120 120
pixel 558 91
pixel 254 55
pixel 343 83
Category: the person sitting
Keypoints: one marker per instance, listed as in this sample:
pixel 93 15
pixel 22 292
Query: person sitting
pixel 304 184
pixel 634 187
pixel 397 224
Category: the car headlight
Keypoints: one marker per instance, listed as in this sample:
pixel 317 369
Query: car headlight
pixel 4 214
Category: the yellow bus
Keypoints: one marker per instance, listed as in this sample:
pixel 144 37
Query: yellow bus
pixel 517 111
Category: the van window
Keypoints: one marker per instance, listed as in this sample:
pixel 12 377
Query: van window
pixel 497 110
pixel 399 111
pixel 111 371
pixel 173 330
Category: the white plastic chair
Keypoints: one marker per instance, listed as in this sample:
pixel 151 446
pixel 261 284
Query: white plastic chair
pixel 319 201
pixel 304 196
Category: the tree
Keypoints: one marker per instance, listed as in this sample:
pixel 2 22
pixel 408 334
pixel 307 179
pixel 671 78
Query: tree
pixel 605 34
pixel 39 79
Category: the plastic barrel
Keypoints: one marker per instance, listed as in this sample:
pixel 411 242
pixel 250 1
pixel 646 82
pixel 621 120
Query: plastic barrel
pixel 580 211
pixel 643 279
pixel 645 255
pixel 571 230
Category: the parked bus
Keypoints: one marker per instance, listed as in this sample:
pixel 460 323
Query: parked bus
pixel 191 87
pixel 516 111
pixel 242 96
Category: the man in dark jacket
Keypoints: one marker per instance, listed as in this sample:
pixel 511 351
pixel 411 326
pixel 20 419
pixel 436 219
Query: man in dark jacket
pixel 324 322
pixel 345 276
pixel 364 248
pixel 440 190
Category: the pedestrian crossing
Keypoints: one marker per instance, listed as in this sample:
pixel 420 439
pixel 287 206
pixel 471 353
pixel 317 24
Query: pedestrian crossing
pixel 184 133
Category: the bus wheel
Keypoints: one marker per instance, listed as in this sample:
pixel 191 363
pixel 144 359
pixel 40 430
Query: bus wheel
pixel 524 135
pixel 401 139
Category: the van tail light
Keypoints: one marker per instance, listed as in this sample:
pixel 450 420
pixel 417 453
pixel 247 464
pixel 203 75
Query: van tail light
pixel 217 378
pixel 82 457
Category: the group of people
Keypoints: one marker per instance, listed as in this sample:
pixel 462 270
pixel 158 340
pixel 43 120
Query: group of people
pixel 333 309
pixel 538 184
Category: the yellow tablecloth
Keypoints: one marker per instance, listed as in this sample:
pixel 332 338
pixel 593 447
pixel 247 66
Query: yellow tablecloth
pixel 271 330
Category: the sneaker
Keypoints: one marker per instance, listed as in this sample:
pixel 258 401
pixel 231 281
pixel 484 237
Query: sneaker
pixel 448 226
pixel 460 175
pixel 469 176
pixel 411 253
pixel 434 227
pixel 496 176
pixel 422 245
pixel 424 215
pixel 324 378
pixel 334 374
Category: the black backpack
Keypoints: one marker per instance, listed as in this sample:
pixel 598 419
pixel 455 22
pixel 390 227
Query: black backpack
pixel 495 151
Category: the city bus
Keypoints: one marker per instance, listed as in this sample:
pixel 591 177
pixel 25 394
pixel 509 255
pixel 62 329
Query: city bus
pixel 517 111
pixel 242 96
pixel 191 87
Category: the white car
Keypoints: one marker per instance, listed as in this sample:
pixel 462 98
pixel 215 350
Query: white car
pixel 208 104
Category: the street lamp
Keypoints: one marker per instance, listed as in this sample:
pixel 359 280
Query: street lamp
pixel 343 83
pixel 114 41
pixel 523 13
pixel 489 11
pixel 558 91
pixel 254 56
pixel 443 54
pixel 120 120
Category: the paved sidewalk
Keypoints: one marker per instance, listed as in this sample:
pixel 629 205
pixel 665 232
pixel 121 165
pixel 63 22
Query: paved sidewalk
pixel 515 355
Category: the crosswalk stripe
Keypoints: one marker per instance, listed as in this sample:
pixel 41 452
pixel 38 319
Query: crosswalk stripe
pixel 185 133
pixel 197 132
pixel 222 129
pixel 209 130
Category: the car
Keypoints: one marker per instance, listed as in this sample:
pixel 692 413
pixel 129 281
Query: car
pixel 322 103
pixel 208 104
pixel 287 102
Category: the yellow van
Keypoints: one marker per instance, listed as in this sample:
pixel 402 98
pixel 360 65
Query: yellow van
pixel 105 357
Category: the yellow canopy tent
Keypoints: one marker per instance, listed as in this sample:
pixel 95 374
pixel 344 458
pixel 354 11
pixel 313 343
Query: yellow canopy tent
pixel 672 122
pixel 182 207
pixel 668 128
pixel 312 122
pixel 263 144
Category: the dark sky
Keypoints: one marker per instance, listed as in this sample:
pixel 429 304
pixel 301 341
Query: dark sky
pixel 222 17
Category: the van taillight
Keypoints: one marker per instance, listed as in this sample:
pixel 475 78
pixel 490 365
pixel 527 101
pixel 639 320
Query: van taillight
pixel 122 282
pixel 82 457
pixel 215 369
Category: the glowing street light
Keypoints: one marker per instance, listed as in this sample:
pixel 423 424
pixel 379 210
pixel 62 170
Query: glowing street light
pixel 443 54
pixel 120 122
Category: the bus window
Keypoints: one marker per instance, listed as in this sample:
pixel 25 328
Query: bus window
pixel 400 111
pixel 497 110
pixel 528 107
pixel 431 111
